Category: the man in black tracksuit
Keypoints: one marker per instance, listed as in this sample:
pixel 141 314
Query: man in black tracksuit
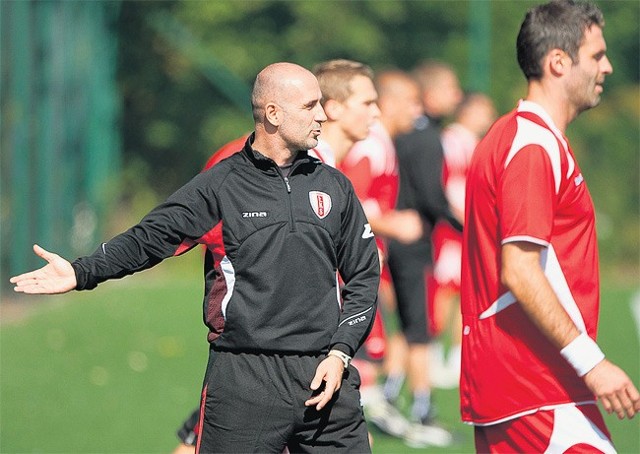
pixel 278 226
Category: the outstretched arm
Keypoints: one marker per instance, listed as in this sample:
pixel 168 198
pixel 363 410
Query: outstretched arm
pixel 57 276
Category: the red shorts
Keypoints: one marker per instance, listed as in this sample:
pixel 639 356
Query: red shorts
pixel 566 429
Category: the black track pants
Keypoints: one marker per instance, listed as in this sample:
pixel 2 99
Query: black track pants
pixel 255 403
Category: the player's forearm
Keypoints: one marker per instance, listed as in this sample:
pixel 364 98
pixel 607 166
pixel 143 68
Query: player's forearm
pixel 522 274
pixel 405 226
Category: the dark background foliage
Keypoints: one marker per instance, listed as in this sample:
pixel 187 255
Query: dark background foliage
pixel 179 107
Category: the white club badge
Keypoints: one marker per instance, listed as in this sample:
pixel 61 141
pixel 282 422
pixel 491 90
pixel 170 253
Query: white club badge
pixel 320 202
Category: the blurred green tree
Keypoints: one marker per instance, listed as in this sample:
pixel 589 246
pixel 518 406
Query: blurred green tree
pixel 182 66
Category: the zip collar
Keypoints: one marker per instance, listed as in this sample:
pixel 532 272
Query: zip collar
pixel 268 165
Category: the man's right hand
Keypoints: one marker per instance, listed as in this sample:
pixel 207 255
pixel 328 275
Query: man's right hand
pixel 614 389
pixel 57 276
pixel 408 225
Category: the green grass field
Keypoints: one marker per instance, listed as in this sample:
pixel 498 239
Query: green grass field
pixel 116 370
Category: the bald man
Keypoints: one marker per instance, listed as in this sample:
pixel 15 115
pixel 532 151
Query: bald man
pixel 278 226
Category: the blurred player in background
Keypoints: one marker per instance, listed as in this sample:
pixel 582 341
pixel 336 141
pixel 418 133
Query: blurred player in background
pixel 372 167
pixel 420 159
pixel 531 368
pixel 472 119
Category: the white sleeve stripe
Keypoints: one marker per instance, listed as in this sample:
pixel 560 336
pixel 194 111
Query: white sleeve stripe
pixel 552 270
pixel 526 238
pixel 504 301
pixel 529 133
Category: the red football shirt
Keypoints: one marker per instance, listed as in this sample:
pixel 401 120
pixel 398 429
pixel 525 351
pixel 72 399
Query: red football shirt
pixel 458 144
pixel 372 167
pixel 523 185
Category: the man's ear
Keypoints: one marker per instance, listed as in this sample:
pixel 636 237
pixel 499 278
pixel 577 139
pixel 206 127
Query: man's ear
pixel 333 109
pixel 558 62
pixel 273 114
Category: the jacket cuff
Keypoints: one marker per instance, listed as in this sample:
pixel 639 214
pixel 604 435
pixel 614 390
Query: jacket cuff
pixel 82 277
pixel 344 348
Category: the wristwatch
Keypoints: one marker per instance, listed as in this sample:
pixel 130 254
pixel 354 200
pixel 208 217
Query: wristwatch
pixel 346 359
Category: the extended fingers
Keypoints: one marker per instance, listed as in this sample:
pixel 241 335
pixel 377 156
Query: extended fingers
pixel 30 284
pixel 624 402
pixel 631 401
pixel 43 253
pixel 31 288
pixel 25 279
pixel 319 400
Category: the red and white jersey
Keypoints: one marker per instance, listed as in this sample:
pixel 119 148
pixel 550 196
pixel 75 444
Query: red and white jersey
pixel 523 185
pixel 372 167
pixel 458 144
pixel 324 153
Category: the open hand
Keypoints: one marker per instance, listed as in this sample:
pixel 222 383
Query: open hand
pixel 614 389
pixel 57 276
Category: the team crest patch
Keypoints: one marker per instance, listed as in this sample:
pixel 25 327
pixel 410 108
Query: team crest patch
pixel 321 203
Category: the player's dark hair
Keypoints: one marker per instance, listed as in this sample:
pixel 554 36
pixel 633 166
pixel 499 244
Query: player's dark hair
pixel 559 24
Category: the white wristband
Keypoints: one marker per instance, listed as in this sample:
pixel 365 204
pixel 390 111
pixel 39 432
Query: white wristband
pixel 582 353
pixel 346 359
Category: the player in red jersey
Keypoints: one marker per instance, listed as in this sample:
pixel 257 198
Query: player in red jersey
pixel 473 117
pixel 531 368
pixel 372 167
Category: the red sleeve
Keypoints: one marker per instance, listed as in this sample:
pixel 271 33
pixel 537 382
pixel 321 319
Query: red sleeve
pixel 359 173
pixel 225 151
pixel 526 197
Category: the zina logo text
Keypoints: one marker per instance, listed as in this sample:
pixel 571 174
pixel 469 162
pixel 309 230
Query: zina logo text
pixel 254 214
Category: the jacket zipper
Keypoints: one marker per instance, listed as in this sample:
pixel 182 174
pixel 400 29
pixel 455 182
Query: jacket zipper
pixel 287 185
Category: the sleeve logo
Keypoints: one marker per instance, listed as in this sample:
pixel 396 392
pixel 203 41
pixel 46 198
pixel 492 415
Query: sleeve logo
pixel 320 203
pixel 368 233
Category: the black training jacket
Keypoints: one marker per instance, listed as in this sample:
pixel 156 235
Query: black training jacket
pixel 273 246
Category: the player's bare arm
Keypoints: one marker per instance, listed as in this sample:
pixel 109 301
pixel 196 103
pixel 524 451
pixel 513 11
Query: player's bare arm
pixel 523 275
pixel 57 276
pixel 405 226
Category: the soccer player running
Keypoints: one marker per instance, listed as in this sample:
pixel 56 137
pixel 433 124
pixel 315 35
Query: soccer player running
pixel 531 368
pixel 278 225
